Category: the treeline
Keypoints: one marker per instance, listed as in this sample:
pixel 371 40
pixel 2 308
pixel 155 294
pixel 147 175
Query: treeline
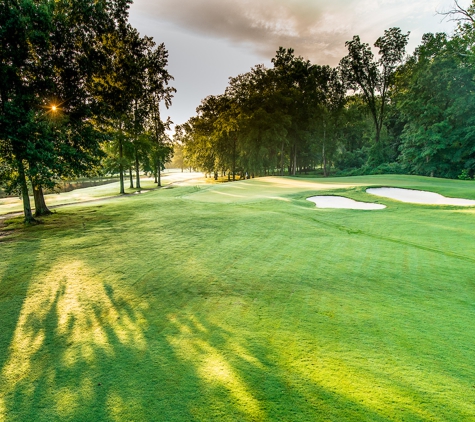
pixel 80 94
pixel 385 114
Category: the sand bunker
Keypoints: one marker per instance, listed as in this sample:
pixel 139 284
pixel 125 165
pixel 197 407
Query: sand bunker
pixel 419 197
pixel 342 202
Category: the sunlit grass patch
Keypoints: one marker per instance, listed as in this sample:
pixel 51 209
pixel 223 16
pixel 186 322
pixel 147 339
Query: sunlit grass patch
pixel 179 305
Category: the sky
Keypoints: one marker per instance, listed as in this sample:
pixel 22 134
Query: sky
pixel 209 41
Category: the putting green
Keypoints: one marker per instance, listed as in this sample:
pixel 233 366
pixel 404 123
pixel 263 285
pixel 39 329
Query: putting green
pixel 188 304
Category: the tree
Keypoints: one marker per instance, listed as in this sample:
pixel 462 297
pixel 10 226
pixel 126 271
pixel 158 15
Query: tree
pixel 48 56
pixel 435 95
pixel 267 118
pixel 179 145
pixel 119 87
pixel 254 123
pixel 298 88
pixel 328 109
pixel 24 37
pixel 135 82
pixel 158 92
pixel 371 78
pixel 464 17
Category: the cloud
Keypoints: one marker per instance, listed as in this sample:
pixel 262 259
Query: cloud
pixel 316 29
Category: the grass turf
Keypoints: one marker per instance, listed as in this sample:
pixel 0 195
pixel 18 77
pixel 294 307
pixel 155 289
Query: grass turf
pixel 14 204
pixel 242 301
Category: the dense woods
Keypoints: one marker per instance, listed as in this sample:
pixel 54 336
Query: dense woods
pixel 379 111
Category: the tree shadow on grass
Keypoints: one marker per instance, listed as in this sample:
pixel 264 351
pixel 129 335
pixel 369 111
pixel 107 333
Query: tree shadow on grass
pixel 79 352
pixel 17 267
pixel 21 334
pixel 275 376
pixel 83 350
pixel 245 379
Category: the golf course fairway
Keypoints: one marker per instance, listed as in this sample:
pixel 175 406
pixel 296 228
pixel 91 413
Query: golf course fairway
pixel 242 302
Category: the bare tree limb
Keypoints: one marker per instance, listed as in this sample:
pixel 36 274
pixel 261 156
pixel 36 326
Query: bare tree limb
pixel 458 14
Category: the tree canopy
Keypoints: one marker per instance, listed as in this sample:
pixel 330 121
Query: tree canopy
pixel 391 113
pixel 70 70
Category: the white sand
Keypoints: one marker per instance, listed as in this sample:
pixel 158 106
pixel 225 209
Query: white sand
pixel 419 197
pixel 342 202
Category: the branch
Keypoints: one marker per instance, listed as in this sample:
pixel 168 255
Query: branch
pixel 458 14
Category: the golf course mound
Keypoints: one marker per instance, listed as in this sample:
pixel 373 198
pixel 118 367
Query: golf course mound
pixel 343 203
pixel 419 197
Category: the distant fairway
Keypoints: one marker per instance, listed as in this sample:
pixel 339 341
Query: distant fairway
pixel 242 302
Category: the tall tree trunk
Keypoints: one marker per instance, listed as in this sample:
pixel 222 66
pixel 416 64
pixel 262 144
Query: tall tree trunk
pixel 324 156
pixel 378 134
pixel 294 164
pixel 377 119
pixel 137 171
pixel 159 181
pixel 282 160
pixel 324 161
pixel 40 204
pixel 121 165
pixel 24 192
pixel 131 178
pixel 234 159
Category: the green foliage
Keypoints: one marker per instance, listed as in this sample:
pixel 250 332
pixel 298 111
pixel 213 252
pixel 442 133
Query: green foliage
pixel 371 78
pixel 465 175
pixel 300 116
pixel 350 160
pixel 132 84
pixel 269 119
pixel 66 69
pixel 49 56
pixel 436 101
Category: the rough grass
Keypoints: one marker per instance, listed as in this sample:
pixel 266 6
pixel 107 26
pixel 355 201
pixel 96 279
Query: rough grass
pixel 242 301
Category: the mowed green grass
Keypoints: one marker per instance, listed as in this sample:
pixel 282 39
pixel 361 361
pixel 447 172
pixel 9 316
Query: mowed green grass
pixel 10 205
pixel 242 302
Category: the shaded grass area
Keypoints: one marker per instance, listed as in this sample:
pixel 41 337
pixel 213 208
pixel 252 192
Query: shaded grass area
pixel 169 306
